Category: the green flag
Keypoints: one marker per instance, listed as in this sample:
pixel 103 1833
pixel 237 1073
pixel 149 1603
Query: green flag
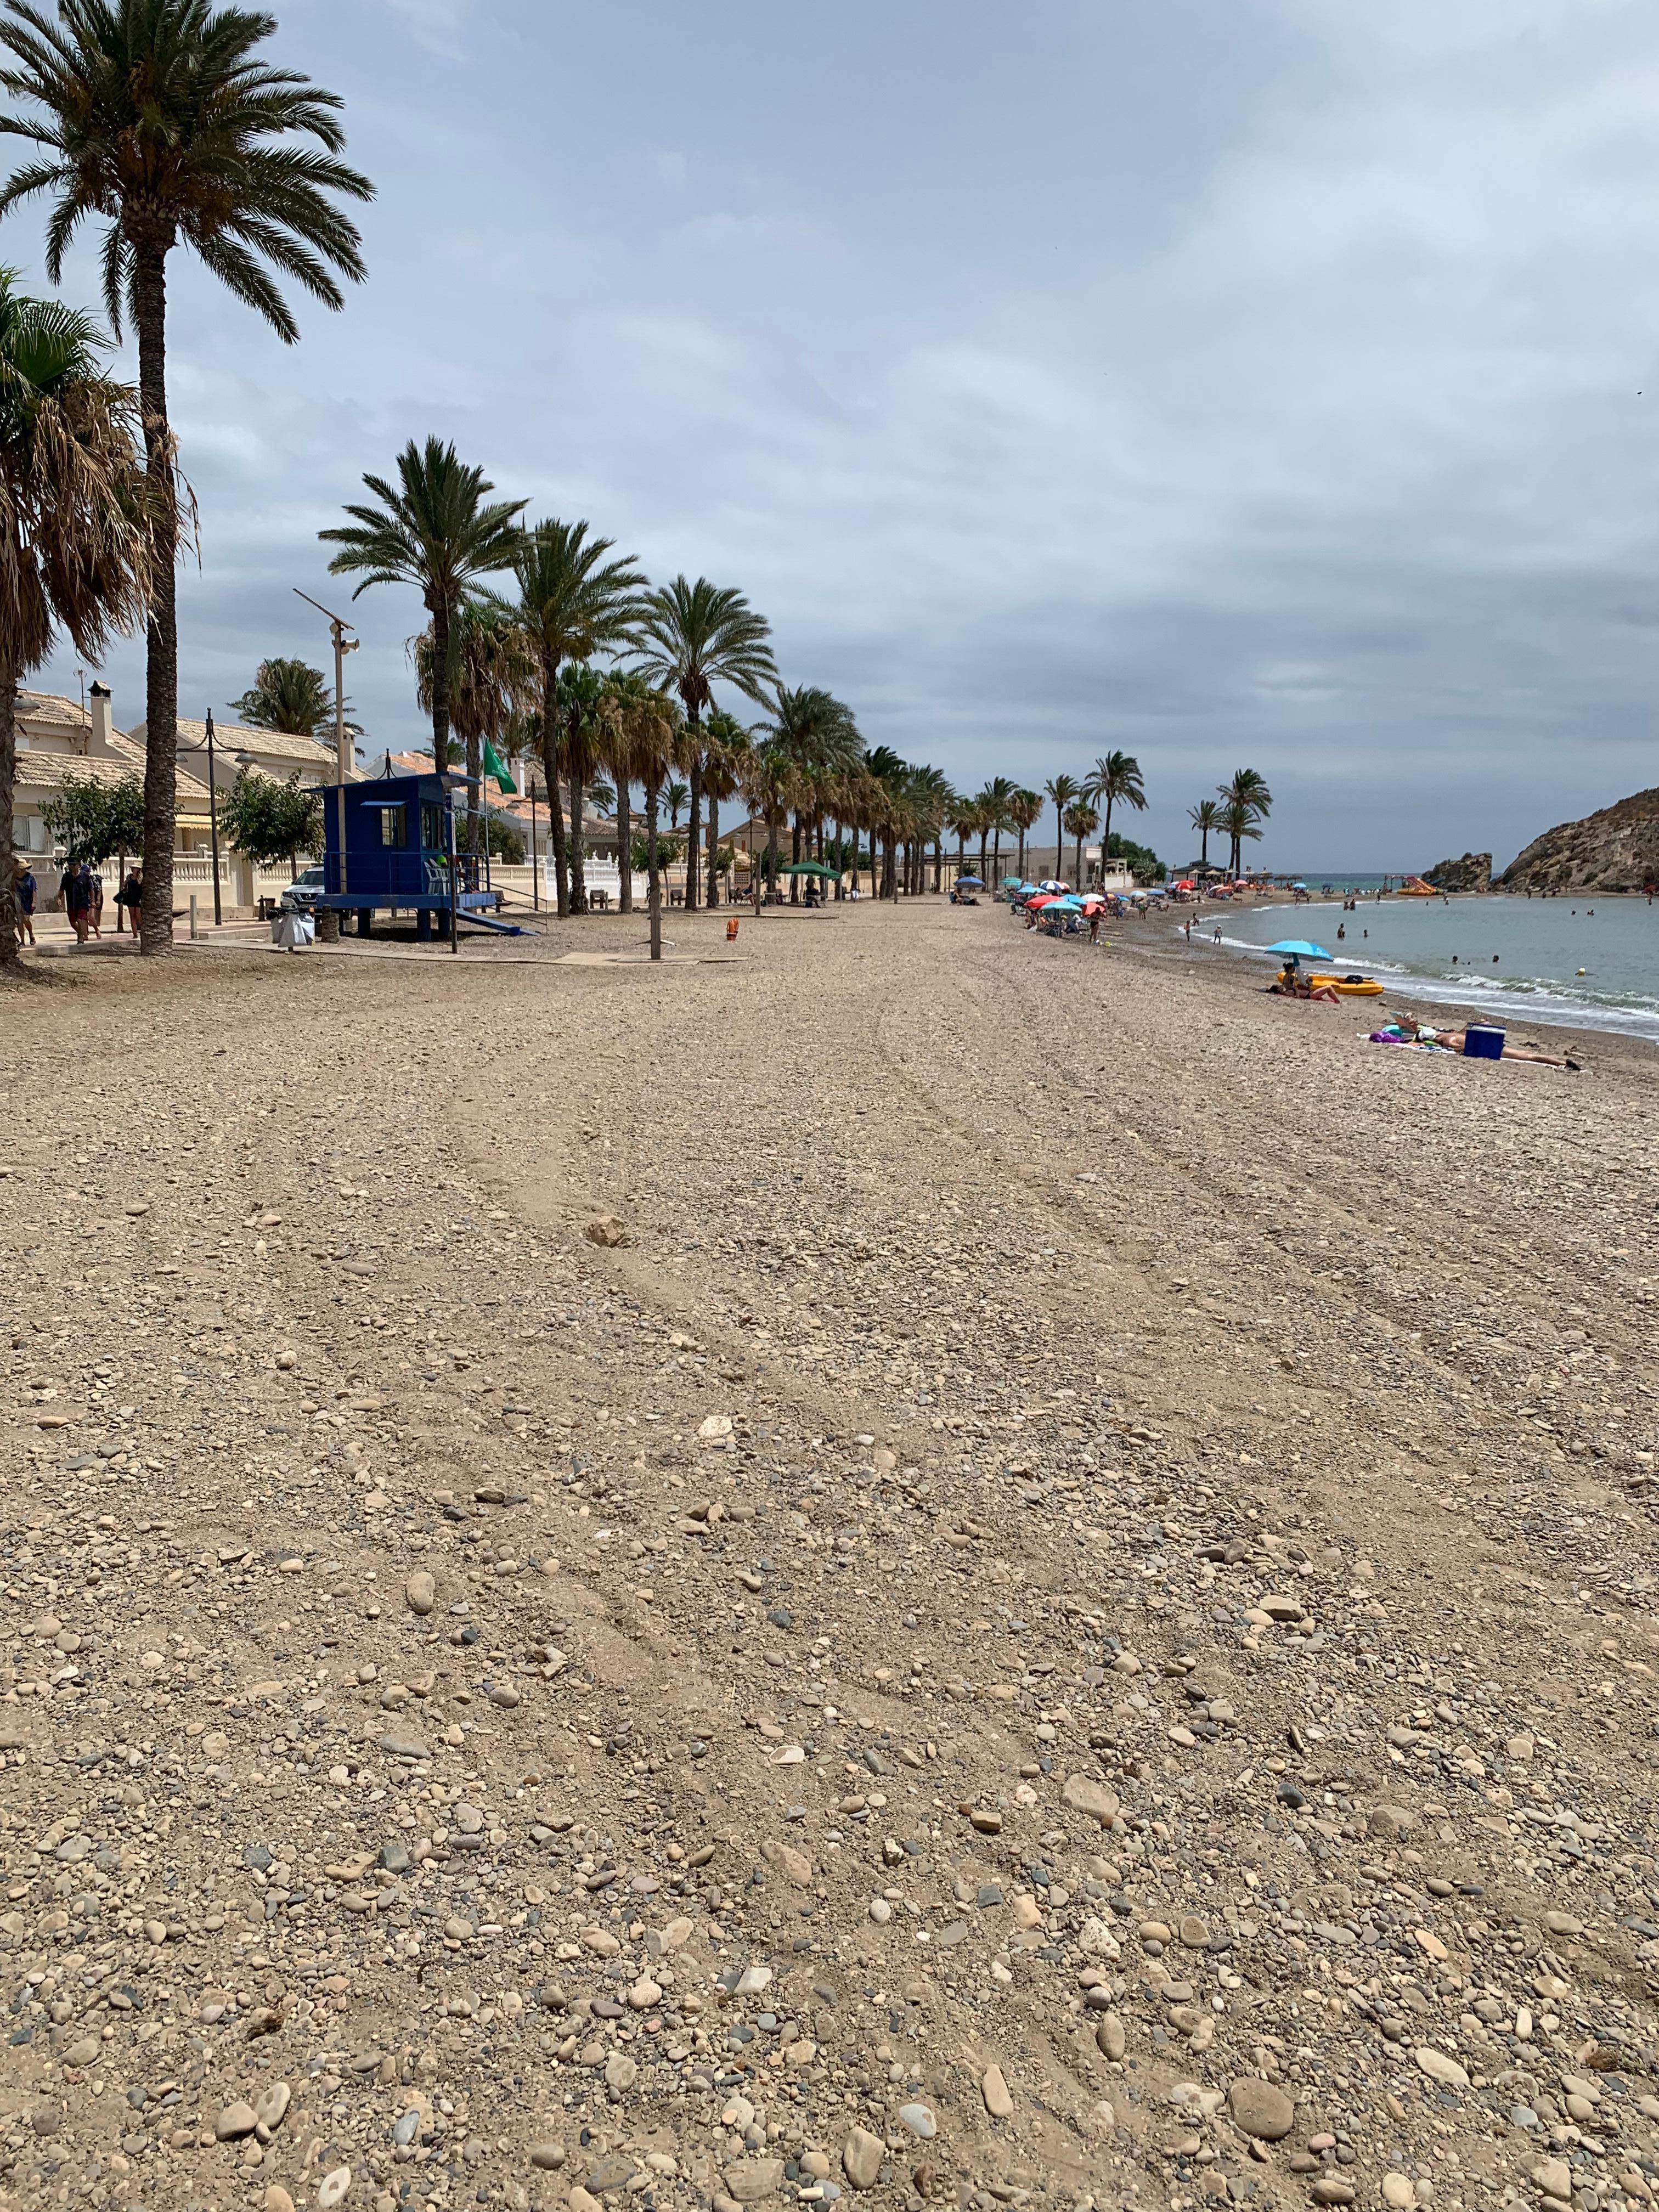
pixel 496 766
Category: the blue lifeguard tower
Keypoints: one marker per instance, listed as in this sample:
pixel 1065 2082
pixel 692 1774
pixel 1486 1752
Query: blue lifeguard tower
pixel 389 843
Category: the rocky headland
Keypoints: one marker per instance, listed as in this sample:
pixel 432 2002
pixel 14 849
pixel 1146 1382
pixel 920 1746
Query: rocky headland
pixel 1471 873
pixel 1615 850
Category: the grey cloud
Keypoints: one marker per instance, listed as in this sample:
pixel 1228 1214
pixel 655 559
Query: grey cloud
pixel 1245 383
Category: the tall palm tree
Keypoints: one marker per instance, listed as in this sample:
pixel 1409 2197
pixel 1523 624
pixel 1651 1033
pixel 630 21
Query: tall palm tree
pixel 1239 822
pixel 676 794
pixel 574 602
pixel 963 822
pixel 1115 779
pixel 490 678
pixel 645 725
pixel 289 696
pixel 726 748
pixel 1062 791
pixel 691 637
pixel 1082 821
pixel 769 788
pixel 582 739
pixel 434 531
pixel 1205 819
pixel 1246 792
pixel 158 116
pixel 1023 809
pixel 77 546
pixel 818 735
pixel 996 796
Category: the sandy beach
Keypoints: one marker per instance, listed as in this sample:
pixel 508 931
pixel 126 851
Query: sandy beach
pixel 1060 1607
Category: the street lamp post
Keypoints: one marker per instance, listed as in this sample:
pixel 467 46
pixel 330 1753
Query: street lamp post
pixel 243 760
pixel 213 822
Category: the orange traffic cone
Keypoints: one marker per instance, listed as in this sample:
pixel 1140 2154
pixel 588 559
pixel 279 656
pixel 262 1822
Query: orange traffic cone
pixel 731 929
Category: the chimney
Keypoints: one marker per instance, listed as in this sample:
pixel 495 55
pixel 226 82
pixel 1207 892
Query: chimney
pixel 99 742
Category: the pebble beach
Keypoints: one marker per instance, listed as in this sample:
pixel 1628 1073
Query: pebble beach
pixel 891 1562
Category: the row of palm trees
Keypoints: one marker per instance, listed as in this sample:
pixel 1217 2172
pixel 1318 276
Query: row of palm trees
pixel 1236 812
pixel 1003 807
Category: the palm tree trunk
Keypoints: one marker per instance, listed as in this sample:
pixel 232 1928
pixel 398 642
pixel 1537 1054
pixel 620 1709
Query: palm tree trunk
pixel 549 770
pixel 474 766
pixel 161 662
pixel 8 774
pixel 983 836
pixel 996 857
pixel 653 875
pixel 694 819
pixel 712 894
pixel 577 877
pixel 624 842
pixel 1060 837
pixel 1106 840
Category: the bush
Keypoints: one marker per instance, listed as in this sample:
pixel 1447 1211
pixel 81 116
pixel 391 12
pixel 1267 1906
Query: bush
pixel 500 839
pixel 669 850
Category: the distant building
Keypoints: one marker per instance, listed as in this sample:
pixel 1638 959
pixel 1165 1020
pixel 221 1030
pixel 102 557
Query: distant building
pixel 57 740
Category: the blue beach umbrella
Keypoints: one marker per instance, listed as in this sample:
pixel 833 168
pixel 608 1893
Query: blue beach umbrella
pixel 970 883
pixel 1299 948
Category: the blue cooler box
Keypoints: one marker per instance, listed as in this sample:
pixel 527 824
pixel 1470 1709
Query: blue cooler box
pixel 1481 1042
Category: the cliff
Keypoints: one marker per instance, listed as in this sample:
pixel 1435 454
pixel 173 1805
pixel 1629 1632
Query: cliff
pixel 1471 873
pixel 1616 850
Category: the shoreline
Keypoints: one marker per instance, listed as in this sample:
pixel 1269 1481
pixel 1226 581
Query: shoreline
pixel 1597 1046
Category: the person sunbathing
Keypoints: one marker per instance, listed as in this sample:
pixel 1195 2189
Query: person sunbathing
pixel 1414 1032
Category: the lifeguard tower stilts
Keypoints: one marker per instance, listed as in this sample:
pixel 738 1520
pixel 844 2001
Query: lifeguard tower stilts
pixel 389 843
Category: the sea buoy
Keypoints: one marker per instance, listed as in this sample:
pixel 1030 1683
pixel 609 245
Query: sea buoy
pixel 1583 971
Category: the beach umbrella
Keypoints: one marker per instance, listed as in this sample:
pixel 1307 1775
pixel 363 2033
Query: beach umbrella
pixel 1299 948
pixel 970 883
pixel 1043 898
pixel 1053 884
pixel 807 868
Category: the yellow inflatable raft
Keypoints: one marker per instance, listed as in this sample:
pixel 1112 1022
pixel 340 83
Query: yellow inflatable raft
pixel 1363 989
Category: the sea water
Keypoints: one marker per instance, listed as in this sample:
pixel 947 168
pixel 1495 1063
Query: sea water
pixel 1511 957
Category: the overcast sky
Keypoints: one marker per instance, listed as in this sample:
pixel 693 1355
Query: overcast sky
pixel 1241 382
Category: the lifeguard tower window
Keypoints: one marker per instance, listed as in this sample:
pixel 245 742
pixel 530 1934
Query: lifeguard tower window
pixel 432 826
pixel 391 828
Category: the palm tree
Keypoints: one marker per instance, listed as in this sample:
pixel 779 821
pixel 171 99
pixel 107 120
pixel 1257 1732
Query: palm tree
pixel 816 734
pixel 1023 809
pixel 644 725
pixel 1062 790
pixel 1247 795
pixel 436 533
pixel 1238 823
pixel 573 604
pixel 676 794
pixel 582 735
pixel 1116 778
pixel 726 748
pixel 489 679
pixel 963 822
pixel 693 636
pixel 77 547
pixel 1205 819
pixel 158 116
pixel 768 787
pixel 995 797
pixel 1082 821
pixel 289 696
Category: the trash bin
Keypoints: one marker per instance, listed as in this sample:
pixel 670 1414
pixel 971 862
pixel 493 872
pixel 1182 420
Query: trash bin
pixel 1482 1041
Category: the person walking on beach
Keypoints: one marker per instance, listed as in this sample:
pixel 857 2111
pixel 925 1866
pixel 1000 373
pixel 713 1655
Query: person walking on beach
pixel 95 903
pixel 131 896
pixel 77 900
pixel 26 890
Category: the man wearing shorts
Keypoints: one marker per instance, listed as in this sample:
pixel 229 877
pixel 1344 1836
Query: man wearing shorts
pixel 26 889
